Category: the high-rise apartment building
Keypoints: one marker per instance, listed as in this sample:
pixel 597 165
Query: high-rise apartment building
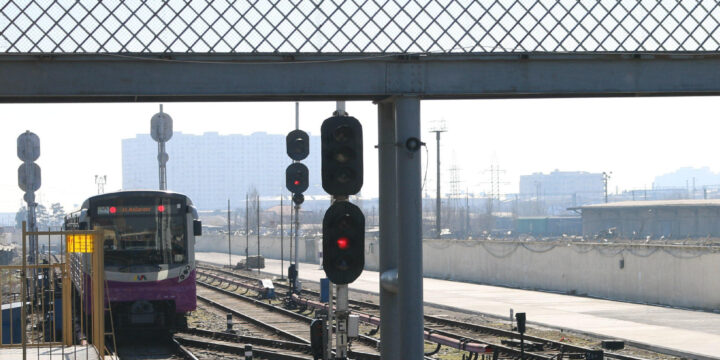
pixel 211 168
pixel 559 183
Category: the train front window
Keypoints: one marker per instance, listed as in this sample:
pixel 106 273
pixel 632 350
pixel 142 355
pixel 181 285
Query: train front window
pixel 143 234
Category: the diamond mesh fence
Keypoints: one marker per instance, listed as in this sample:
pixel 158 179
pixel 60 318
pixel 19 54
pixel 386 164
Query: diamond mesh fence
pixel 357 26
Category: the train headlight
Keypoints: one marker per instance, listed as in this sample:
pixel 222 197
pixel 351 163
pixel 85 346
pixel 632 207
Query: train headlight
pixel 185 273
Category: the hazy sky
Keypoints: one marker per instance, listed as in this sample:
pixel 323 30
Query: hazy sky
pixel 635 138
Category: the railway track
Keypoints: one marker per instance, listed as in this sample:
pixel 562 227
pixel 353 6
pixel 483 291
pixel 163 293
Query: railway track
pixel 271 320
pixel 149 344
pixel 208 344
pixel 502 340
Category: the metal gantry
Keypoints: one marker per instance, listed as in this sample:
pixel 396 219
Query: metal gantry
pixel 395 53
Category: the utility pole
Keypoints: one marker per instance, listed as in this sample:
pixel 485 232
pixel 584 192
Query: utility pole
pixel 494 189
pixel 538 184
pixel 247 229
pixel 290 254
pixel 282 235
pixel 229 236
pixel 258 232
pixel 467 214
pixel 606 177
pixel 440 128
pixel 100 181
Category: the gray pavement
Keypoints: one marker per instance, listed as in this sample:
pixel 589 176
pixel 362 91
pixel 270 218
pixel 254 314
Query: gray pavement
pixel 686 331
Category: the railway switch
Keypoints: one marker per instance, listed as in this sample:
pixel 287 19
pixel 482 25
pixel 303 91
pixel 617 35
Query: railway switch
pixel 343 242
pixel 342 155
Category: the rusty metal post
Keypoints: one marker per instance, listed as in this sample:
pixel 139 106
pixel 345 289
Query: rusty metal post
pixel 98 293
pixel 1 297
pixel 66 296
pixel 23 278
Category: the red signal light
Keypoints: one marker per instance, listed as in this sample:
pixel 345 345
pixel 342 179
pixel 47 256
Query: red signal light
pixel 296 182
pixel 161 208
pixel 113 210
pixel 343 243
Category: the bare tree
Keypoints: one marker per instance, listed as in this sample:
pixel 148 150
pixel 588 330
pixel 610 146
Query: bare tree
pixel 253 204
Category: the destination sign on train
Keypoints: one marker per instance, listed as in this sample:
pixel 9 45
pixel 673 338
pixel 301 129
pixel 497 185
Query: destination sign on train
pixel 131 210
pixel 80 243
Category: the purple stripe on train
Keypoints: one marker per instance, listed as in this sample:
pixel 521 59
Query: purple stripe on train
pixel 183 293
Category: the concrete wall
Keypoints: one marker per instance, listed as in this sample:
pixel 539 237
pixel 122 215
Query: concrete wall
pixel 682 276
pixel 269 246
pixel 675 276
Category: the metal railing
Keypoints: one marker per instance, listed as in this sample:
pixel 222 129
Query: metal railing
pixel 358 26
pixel 41 297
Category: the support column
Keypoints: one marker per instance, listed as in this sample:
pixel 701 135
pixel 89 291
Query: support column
pixel 388 242
pixel 409 215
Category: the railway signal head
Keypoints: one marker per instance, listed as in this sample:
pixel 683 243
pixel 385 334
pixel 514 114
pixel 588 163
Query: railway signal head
pixel 343 242
pixel 296 178
pixel 298 198
pixel 520 320
pixel 342 155
pixel 298 144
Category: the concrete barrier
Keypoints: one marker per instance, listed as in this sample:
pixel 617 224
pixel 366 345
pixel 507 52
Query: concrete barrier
pixel 269 246
pixel 672 275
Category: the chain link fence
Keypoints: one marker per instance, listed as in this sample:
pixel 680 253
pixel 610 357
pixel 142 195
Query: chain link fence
pixel 358 26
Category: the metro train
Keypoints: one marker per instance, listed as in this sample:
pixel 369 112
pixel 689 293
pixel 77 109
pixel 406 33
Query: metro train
pixel 148 244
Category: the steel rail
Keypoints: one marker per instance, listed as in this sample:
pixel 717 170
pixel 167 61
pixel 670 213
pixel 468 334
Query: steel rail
pixel 444 339
pixel 366 339
pixel 238 350
pixel 225 336
pixel 254 321
pixel 183 351
pixel 556 345
pixel 279 344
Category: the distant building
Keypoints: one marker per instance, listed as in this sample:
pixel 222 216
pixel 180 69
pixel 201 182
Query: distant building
pixel 561 183
pixel 211 168
pixel 639 219
pixel 688 178
pixel 7 219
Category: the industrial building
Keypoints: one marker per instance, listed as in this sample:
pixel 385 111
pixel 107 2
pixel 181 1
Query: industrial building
pixel 662 218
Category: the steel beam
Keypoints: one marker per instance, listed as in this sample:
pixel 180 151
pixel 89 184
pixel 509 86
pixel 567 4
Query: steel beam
pixel 388 245
pixel 409 215
pixel 237 77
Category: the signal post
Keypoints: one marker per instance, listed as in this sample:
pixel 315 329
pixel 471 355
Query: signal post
pixel 344 222
pixel 296 181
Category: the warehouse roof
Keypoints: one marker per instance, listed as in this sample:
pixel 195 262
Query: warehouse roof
pixel 651 203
